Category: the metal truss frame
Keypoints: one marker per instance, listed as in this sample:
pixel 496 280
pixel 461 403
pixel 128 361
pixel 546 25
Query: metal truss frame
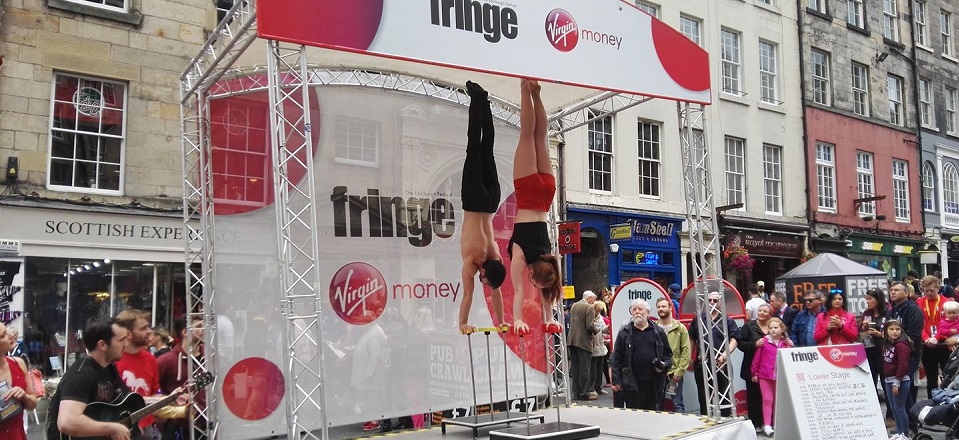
pixel 704 246
pixel 292 145
pixel 287 77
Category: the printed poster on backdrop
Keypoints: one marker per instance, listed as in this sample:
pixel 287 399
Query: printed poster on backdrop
pixel 613 44
pixel 827 392
pixel 11 293
pixel 389 220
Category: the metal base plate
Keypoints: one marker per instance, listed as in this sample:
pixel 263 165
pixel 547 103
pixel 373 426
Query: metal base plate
pixel 550 431
pixel 485 420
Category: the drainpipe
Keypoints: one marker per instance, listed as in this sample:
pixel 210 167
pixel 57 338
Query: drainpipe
pixel 805 128
pixel 918 118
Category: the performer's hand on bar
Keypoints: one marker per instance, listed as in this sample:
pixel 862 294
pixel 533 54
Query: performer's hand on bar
pixel 467 329
pixel 520 327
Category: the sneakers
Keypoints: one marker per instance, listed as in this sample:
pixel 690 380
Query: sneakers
pixel 371 426
pixel 603 392
pixel 898 437
pixel 590 396
pixel 768 430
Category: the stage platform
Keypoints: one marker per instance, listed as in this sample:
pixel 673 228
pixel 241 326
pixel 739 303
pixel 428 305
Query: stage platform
pixel 613 423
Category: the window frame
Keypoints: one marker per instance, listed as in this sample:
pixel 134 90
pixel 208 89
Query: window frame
pixel 773 179
pixel 890 20
pixel 821 77
pixel 52 131
pixel 769 73
pixel 819 6
pixel 376 126
pixel 594 153
pixel 738 158
pixel 826 176
pixel 927 115
pixel 948 43
pixel 860 89
pixel 949 107
pixel 865 181
pixel 929 187
pixel 731 62
pixel 655 146
pixel 900 190
pixel 896 104
pixel 950 189
pixel 649 8
pixel 920 19
pixel 101 4
pixel 856 13
pixel 698 37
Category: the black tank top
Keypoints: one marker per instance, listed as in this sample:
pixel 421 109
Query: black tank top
pixel 532 238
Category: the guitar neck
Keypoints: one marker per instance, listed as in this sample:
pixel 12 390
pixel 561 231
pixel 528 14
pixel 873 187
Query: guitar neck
pixel 153 407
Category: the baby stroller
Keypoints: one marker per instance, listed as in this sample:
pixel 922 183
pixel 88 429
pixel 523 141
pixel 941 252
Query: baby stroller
pixel 940 414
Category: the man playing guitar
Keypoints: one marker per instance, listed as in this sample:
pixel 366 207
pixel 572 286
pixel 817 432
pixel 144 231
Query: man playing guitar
pixel 91 379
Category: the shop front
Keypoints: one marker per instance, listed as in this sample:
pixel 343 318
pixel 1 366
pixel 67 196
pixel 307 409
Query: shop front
pixel 620 246
pixel 63 267
pixel 896 257
pixel 951 261
pixel 773 254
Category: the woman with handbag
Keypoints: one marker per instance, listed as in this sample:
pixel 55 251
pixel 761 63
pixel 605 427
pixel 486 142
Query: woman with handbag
pixel 16 393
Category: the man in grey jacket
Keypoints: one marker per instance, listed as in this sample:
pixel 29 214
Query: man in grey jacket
pixel 581 331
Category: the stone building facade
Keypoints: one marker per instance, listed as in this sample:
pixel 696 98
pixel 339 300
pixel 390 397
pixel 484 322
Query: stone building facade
pixel 90 125
pixel 863 155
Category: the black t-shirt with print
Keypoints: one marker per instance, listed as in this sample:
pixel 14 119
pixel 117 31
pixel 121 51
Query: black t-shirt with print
pixel 85 381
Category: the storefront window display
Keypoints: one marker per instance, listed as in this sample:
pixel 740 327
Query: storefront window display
pixel 63 295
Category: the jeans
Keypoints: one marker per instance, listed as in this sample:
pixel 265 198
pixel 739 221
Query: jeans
pixel 678 398
pixel 898 405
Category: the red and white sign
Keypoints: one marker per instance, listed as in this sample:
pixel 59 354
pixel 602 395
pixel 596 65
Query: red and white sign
pixel 603 44
pixel 636 288
pixel 569 238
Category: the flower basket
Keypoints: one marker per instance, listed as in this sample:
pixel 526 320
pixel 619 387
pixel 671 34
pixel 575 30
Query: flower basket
pixel 736 260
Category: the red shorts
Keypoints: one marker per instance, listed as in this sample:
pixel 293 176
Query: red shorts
pixel 535 191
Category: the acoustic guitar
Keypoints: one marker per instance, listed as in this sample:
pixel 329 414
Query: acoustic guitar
pixel 129 408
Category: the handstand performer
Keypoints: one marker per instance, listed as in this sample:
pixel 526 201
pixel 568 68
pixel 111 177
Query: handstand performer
pixel 481 194
pixel 530 248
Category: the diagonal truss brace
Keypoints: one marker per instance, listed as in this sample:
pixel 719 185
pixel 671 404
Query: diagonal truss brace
pixel 704 246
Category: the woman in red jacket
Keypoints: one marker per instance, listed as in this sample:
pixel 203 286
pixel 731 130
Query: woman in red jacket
pixel 836 326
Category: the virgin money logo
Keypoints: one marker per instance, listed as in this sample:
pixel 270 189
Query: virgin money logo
pixel 358 293
pixel 844 356
pixel 561 30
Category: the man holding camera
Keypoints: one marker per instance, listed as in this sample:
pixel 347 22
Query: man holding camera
pixel 641 358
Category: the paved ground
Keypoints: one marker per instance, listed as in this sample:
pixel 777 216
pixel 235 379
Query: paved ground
pixel 35 431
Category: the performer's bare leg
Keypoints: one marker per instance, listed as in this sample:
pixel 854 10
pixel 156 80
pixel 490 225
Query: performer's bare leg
pixel 532 158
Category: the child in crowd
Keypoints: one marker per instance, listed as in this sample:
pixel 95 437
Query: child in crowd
pixel 764 368
pixel 895 368
pixel 949 324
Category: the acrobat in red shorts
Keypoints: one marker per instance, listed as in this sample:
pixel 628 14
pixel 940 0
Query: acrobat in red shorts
pixel 535 191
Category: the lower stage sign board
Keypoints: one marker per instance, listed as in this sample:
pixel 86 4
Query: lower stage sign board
pixel 825 393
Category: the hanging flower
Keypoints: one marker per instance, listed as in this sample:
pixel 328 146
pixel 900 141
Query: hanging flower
pixel 806 256
pixel 737 260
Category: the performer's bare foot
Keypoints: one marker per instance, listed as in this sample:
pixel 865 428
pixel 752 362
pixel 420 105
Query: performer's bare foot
pixel 534 87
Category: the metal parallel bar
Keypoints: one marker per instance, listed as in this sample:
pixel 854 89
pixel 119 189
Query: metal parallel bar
pixel 704 246
pixel 292 145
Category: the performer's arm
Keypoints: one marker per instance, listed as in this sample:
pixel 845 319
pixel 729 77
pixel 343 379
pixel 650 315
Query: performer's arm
pixel 467 301
pixel 517 270
pixel 72 422
pixel 496 296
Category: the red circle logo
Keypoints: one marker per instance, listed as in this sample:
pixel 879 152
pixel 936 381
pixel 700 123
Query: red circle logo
pixel 253 388
pixel 358 293
pixel 561 30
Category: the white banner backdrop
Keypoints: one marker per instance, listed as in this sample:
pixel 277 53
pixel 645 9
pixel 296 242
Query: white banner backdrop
pixel 388 171
pixel 605 44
